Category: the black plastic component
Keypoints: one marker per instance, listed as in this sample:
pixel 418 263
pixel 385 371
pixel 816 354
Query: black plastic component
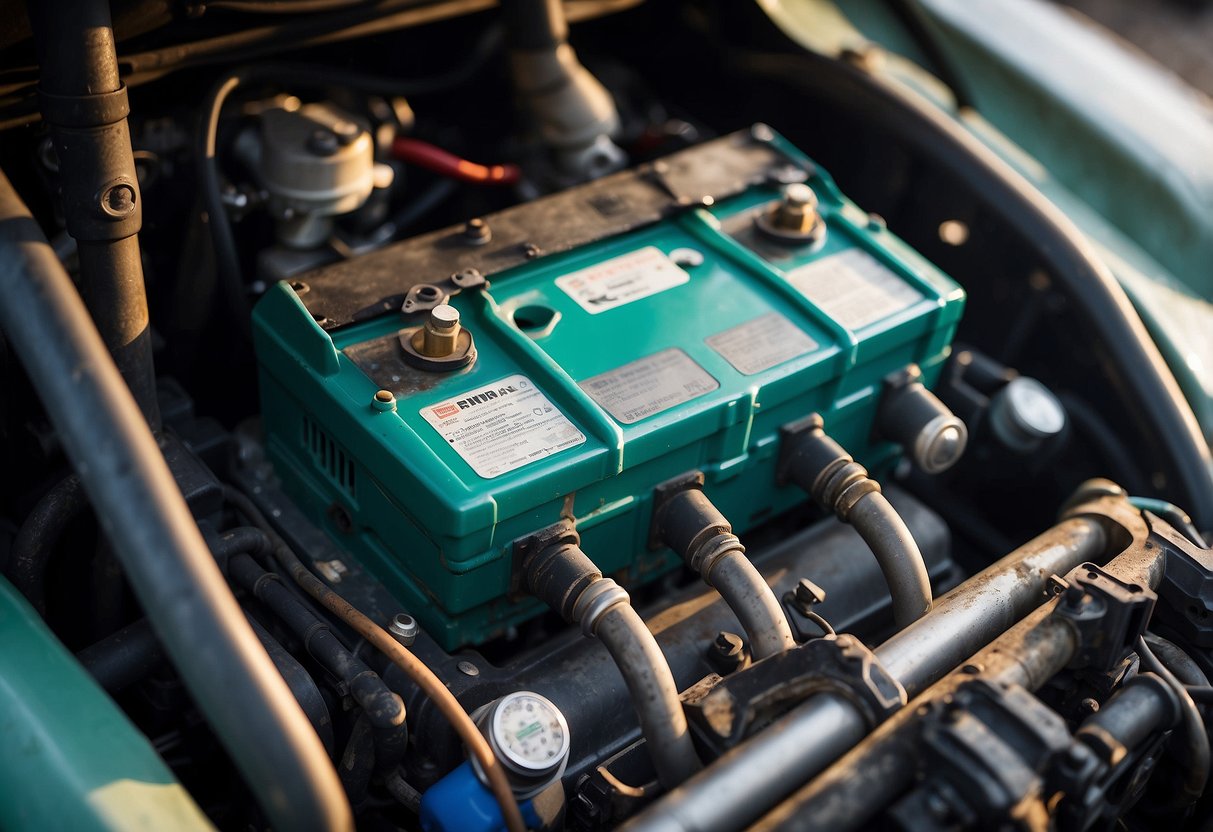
pixel 913 417
pixel 553 567
pixel 198 483
pixel 988 750
pixel 1109 614
pixel 614 791
pixel 1187 586
pixel 752 698
pixel 683 517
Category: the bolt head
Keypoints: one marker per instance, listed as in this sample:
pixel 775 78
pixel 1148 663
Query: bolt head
pixel 403 628
pixel 468 669
pixel 118 201
pixel 799 195
pixel 444 316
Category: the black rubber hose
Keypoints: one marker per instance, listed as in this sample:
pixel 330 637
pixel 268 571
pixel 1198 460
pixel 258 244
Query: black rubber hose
pixel 535 24
pixel 1181 665
pixel 1069 258
pixel 1195 737
pixel 35 542
pixel 145 518
pixel 384 710
pixel 301 683
pixel 124 657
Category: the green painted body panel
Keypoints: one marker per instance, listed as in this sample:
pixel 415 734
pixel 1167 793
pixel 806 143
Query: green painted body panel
pixel 69 758
pixel 1118 143
pixel 440 535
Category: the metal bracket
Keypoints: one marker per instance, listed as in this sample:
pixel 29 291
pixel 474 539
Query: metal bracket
pixel 988 749
pixel 1108 613
pixel 750 699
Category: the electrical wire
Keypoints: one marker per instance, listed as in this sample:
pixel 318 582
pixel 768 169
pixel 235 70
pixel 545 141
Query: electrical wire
pixel 1174 515
pixel 227 259
pixel 434 158
pixel 413 667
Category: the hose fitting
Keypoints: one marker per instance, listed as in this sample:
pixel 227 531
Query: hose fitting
pixel 685 520
pixel 559 573
pixel 820 466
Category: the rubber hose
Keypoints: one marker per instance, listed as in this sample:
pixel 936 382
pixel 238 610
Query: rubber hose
pixel 743 588
pixel 147 521
pixel 653 691
pixel 882 528
pixel 35 543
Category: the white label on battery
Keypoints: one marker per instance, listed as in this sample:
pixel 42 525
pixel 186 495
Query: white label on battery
pixel 622 280
pixel 762 343
pixel 502 426
pixel 655 383
pixel 854 288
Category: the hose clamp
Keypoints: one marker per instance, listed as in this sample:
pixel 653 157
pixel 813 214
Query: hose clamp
pixel 595 600
pixel 705 557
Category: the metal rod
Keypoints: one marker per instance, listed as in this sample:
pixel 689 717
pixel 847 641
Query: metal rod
pixel 881 766
pixel 983 606
pixel 84 102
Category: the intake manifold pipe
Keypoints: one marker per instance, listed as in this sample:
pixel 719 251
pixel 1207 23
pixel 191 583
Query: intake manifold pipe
pixel 561 575
pixel 820 466
pixel 685 520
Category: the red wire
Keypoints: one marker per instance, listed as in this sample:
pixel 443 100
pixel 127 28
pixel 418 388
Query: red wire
pixel 431 157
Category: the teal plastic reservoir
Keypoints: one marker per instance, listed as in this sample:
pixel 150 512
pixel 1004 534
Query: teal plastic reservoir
pixel 632 330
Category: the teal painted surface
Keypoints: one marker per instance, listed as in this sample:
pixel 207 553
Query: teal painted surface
pixel 440 535
pixel 1118 143
pixel 69 758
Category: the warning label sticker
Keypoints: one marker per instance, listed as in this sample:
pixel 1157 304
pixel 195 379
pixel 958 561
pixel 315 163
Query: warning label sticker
pixel 854 288
pixel 762 343
pixel 502 426
pixel 643 388
pixel 621 280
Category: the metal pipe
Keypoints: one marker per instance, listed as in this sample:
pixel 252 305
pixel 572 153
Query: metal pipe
pixel 1143 705
pixel 966 618
pixel 154 535
pixel 972 614
pixel 882 528
pixel 84 102
pixel 880 767
pixel 750 598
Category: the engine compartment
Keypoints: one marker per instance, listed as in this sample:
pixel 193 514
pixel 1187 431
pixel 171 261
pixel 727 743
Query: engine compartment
pixel 644 475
